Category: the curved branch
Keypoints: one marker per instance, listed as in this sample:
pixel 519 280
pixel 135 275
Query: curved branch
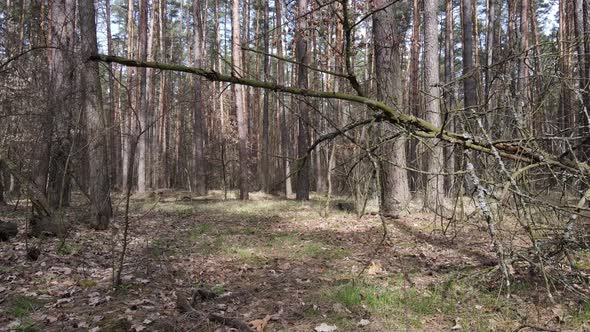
pixel 416 125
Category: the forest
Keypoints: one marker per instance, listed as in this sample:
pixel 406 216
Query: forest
pixel 294 165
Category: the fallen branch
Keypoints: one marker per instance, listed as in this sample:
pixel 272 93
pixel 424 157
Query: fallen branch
pixel 184 307
pixel 39 201
pixel 419 127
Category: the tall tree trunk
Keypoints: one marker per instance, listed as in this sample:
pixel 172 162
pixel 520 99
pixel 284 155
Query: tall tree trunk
pixel 302 56
pixel 61 72
pixel 450 91
pixel 143 101
pixel 522 96
pixel 490 44
pixel 126 132
pixel 469 84
pixel 240 102
pixel 199 127
pixel 96 121
pixel 581 26
pixel 414 99
pixel 434 185
pixel 112 125
pixel 395 190
pixel 151 93
pixel 163 180
pixel 469 81
pixel 265 162
pixel 285 137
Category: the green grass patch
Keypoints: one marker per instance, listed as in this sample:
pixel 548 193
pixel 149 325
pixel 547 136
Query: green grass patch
pixel 161 247
pixel 391 302
pixel 86 283
pixel 66 249
pixel 249 255
pixel 581 315
pixel 200 229
pixel 27 326
pixel 21 306
pixel 218 289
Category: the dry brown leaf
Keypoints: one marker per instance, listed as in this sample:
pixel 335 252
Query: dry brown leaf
pixel 375 268
pixel 260 324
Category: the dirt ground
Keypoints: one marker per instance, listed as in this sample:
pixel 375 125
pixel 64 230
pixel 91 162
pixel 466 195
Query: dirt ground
pixel 278 264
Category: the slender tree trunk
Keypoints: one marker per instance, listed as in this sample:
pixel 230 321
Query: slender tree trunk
pixel 96 120
pixel 395 190
pixel 469 84
pixel 112 125
pixel 151 93
pixel 434 185
pixel 302 56
pixel 450 91
pixel 239 102
pixel 126 132
pixel 581 26
pixel 162 100
pixel 522 96
pixel 285 137
pixel 265 162
pixel 143 101
pixel 414 99
pixel 199 127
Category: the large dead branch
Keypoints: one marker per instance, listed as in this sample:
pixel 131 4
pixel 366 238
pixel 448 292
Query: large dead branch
pixel 38 199
pixel 418 126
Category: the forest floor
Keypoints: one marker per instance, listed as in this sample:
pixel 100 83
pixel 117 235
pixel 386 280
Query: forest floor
pixel 278 264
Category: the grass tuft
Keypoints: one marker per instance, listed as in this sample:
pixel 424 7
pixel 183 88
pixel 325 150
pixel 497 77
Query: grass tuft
pixel 21 306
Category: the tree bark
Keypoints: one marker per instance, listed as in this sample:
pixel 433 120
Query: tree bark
pixel 199 127
pixel 143 101
pixel 240 102
pixel 434 184
pixel 395 189
pixel 414 98
pixel 302 56
pixel 449 93
pixel 96 121
pixel 126 132
pixel 61 73
pixel 469 86
pixel 265 162
pixel 285 137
